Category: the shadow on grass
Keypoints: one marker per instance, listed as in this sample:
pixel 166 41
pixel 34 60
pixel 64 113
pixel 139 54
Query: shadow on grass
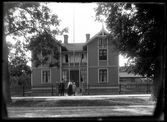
pixel 62 103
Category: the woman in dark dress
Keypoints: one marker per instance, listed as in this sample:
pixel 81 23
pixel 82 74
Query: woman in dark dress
pixel 70 91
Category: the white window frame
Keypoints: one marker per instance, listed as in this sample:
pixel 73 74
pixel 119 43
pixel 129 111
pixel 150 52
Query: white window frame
pixel 99 75
pixel 42 76
pixel 99 52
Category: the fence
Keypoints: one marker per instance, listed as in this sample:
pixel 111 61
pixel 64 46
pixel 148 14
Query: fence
pixel 20 90
pixel 123 88
pixel 135 88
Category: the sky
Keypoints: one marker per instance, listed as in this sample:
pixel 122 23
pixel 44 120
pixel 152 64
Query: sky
pixel 80 19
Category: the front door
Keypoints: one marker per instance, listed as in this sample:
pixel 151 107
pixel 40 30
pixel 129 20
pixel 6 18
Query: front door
pixel 74 76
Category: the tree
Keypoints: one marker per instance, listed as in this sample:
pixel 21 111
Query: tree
pixel 17 62
pixel 45 45
pixel 137 31
pixel 25 19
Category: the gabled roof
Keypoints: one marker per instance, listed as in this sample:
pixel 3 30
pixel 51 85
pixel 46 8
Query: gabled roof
pixel 102 32
pixel 74 46
pixel 126 75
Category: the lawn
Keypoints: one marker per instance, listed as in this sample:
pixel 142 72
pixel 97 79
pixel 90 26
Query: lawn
pixel 61 103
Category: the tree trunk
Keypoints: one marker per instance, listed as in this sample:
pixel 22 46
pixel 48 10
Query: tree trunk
pixel 157 82
pixel 5 73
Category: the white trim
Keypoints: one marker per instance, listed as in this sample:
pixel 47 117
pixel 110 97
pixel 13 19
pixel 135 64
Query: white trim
pixel 97 35
pixel 98 52
pixel 32 78
pixel 50 76
pixel 44 68
pixel 107 76
pixel 87 66
pixel 42 88
pixel 107 54
pixel 60 64
pixel 104 87
pixel 69 79
pixel 114 66
pixel 80 78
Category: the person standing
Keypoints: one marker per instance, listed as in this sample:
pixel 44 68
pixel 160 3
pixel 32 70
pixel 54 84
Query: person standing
pixel 59 87
pixel 74 88
pixel 69 88
pixel 62 88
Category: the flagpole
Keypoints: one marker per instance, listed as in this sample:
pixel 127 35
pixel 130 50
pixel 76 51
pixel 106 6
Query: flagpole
pixel 74 34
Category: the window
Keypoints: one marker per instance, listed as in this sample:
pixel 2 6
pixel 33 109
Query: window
pixel 102 54
pixel 84 75
pixel 102 75
pixel 46 76
pixel 66 58
pixel 103 42
pixel 65 75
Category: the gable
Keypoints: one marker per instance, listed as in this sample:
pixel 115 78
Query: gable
pixel 102 33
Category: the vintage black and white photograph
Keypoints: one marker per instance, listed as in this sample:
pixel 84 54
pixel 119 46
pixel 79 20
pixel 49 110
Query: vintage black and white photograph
pixel 83 60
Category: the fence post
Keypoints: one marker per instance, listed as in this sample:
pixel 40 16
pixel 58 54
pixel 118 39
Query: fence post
pixel 57 89
pixel 88 89
pixel 52 89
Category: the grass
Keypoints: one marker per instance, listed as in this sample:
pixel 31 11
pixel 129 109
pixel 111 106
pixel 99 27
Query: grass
pixel 61 103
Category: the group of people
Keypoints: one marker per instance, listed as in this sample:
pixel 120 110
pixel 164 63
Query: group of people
pixel 71 88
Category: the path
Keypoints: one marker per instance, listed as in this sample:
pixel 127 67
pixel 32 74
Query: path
pixel 81 111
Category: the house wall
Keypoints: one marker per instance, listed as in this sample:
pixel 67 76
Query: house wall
pixel 92 53
pixel 55 76
pixel 94 65
pixel 113 76
pixel 36 77
pixel 93 76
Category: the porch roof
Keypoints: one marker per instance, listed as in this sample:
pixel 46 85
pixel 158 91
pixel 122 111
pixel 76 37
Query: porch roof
pixel 74 46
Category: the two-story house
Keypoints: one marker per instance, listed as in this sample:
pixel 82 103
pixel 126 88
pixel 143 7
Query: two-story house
pixel 92 64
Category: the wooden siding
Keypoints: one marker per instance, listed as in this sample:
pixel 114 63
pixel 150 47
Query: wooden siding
pixel 36 77
pixel 55 75
pixel 113 76
pixel 93 59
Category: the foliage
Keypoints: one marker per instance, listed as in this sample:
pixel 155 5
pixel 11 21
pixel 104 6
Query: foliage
pixel 17 63
pixel 44 45
pixel 31 20
pixel 136 30
pixel 18 81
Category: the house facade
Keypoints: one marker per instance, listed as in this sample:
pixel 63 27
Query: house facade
pixel 91 65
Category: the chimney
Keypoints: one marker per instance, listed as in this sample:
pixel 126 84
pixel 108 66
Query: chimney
pixel 65 39
pixel 87 37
